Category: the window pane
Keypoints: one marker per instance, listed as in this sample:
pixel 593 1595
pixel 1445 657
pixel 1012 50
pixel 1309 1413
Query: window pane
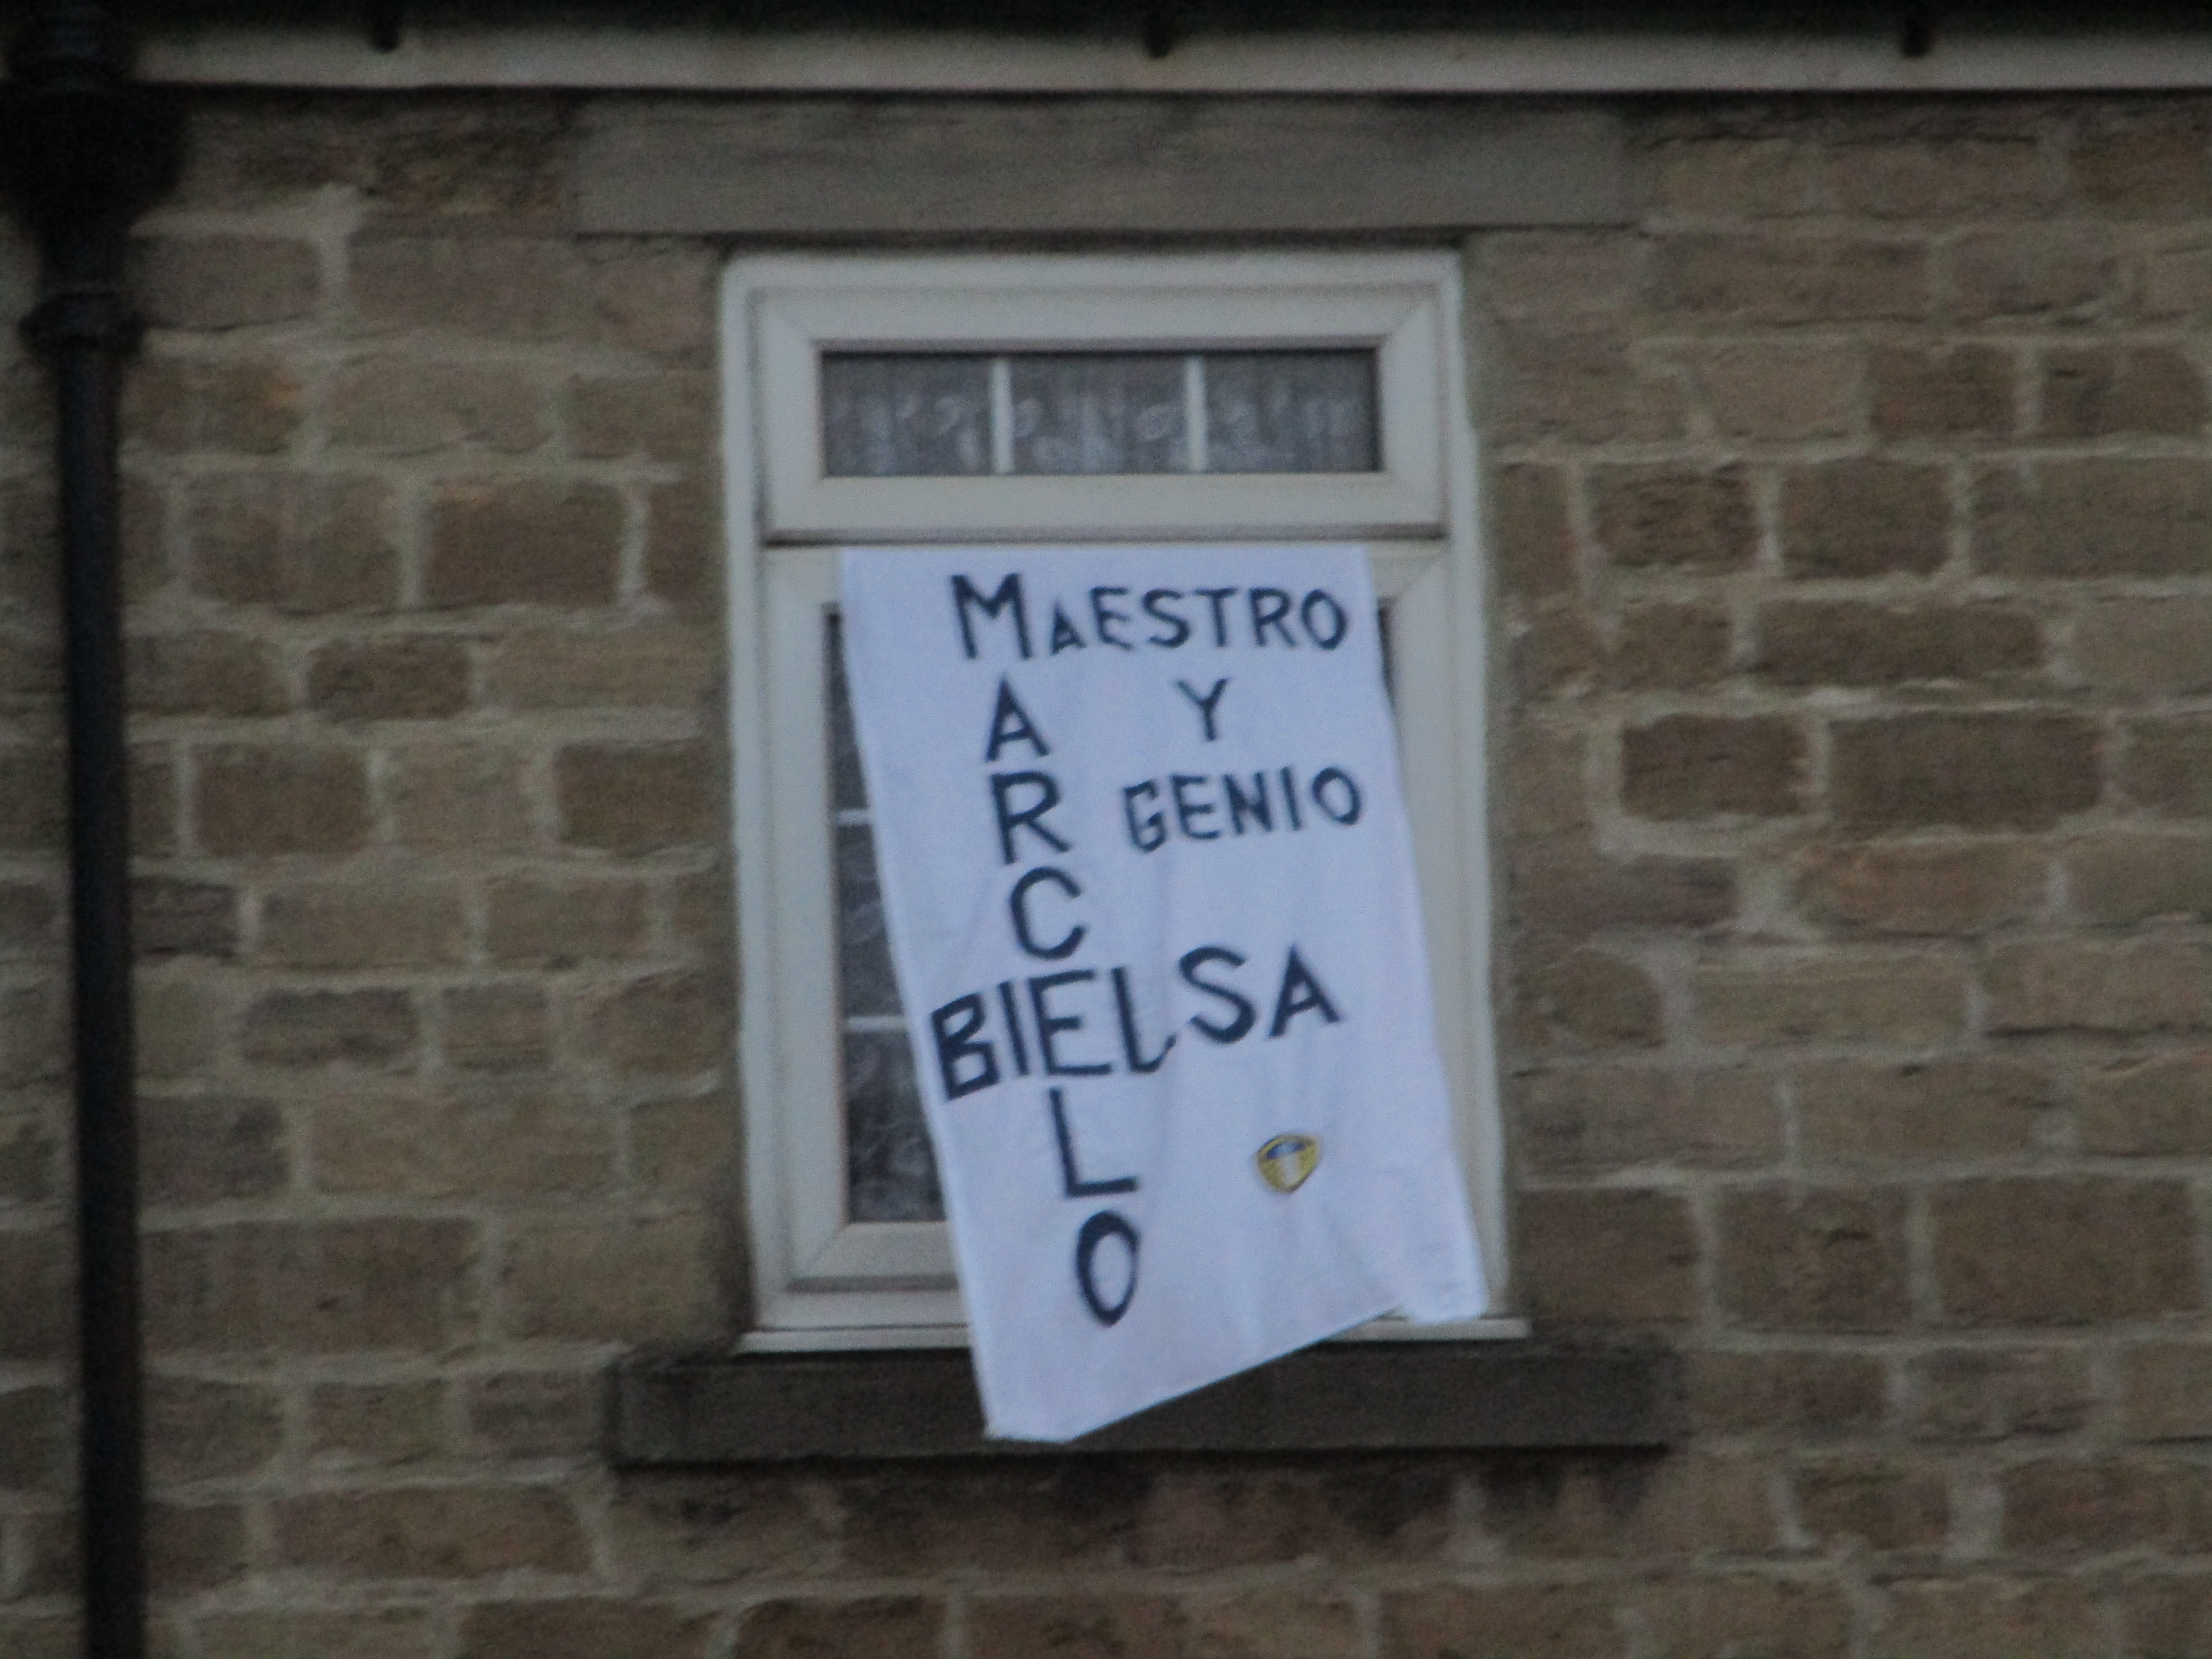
pixel 1112 412
pixel 847 790
pixel 1291 412
pixel 905 415
pixel 891 1174
pixel 866 983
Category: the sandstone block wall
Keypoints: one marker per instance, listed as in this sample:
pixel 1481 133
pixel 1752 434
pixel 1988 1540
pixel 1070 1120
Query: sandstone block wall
pixel 1853 524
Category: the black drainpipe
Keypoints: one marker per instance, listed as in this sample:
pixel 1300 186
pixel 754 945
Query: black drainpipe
pixel 83 153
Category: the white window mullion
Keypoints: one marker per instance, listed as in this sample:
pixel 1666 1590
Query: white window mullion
pixel 1194 411
pixel 1002 414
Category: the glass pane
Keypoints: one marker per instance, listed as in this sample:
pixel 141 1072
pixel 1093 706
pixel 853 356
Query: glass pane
pixel 848 791
pixel 905 415
pixel 1291 412
pixel 866 983
pixel 891 1173
pixel 1113 412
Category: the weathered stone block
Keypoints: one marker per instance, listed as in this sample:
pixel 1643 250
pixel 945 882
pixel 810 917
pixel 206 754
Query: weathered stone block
pixel 218 405
pixel 1612 1254
pixel 286 1287
pixel 577 1629
pixel 1942 178
pixel 2076 1506
pixel 461 797
pixel 2166 1391
pixel 1541 1622
pixel 1862 1113
pixel 1812 1392
pixel 1992 1619
pixel 2083 985
pixel 34 1440
pixel 1074 1626
pixel 1904 1000
pixel 200 1149
pixel 683 552
pixel 2010 771
pixel 1874 1503
pixel 497 288
pixel 2107 516
pixel 1294 1624
pixel 402 678
pixel 663 1024
pixel 1593 998
pixel 2055 270
pixel 204 672
pixel 457 1145
pixel 883 1627
pixel 1783 391
pixel 1577 381
pixel 364 924
pixel 1669 647
pixel 374 1425
pixel 298 798
pixel 359 1634
pixel 636 797
pixel 1946 392
pixel 1735 175
pixel 523 541
pixel 609 1279
pixel 225 282
pixel 1957 887
pixel 1695 766
pixel 36 1284
pixel 199 1430
pixel 2168 767
pixel 1666 517
pixel 630 668
pixel 367 1028
pixel 1789 279
pixel 535 1414
pixel 495 1028
pixel 2158 1106
pixel 2152 648
pixel 2157 170
pixel 1863 518
pixel 2104 391
pixel 1566 889
pixel 536 922
pixel 1618 1117
pixel 194 1546
pixel 2103 1249
pixel 300 544
pixel 669 417
pixel 1687 1617
pixel 1806 644
pixel 1994 1393
pixel 1814 1258
pixel 430 1532
pixel 406 406
pixel 2124 879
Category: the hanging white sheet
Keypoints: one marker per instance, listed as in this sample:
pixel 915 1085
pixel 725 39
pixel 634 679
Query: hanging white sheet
pixel 1149 891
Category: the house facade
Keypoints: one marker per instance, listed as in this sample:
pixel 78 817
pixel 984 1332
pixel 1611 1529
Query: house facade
pixel 1804 616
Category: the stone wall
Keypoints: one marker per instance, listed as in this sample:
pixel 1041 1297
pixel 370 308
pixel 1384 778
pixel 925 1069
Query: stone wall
pixel 1854 531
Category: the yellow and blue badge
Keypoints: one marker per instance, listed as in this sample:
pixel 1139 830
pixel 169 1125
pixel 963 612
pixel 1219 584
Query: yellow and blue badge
pixel 1286 1161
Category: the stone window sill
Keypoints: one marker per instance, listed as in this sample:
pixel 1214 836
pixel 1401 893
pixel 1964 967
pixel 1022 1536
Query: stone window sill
pixel 715 1408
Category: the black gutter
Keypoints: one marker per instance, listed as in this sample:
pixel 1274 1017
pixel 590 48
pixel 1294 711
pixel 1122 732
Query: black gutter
pixel 83 153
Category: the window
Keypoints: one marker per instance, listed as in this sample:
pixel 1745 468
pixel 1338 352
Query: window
pixel 879 402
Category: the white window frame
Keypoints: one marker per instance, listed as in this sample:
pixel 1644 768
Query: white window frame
pixel 820 1280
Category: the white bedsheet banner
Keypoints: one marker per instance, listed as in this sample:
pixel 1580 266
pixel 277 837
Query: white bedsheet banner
pixel 1149 891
